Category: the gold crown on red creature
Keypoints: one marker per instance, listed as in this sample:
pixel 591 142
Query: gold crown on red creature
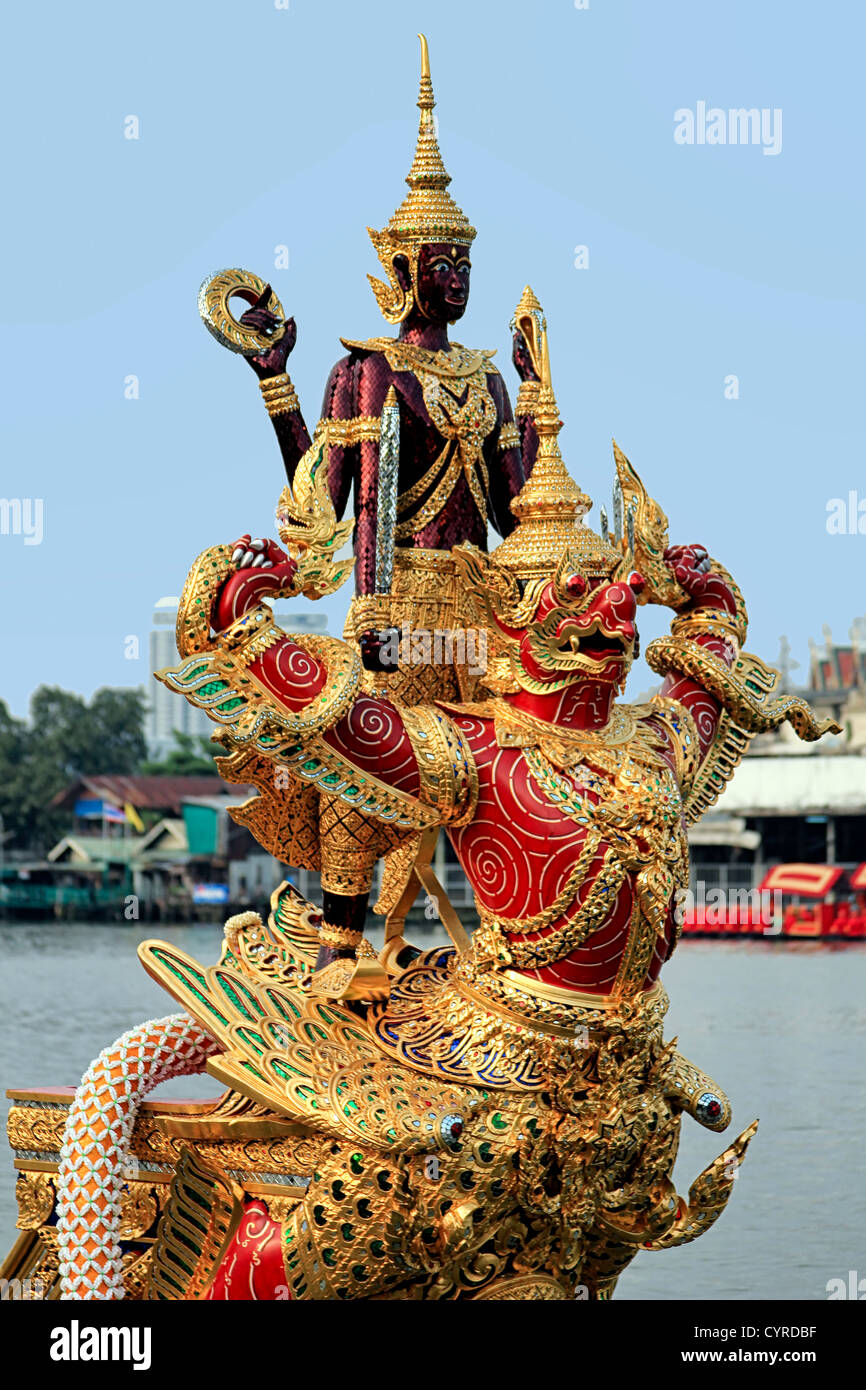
pixel 428 214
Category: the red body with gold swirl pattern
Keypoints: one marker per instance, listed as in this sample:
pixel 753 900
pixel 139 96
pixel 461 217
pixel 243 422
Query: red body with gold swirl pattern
pixel 521 847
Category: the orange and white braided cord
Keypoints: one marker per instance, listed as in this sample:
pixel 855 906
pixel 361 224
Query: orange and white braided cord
pixel 96 1144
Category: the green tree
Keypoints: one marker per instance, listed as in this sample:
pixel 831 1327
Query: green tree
pixel 65 738
pixel 117 720
pixel 14 748
pixel 190 757
pixel 104 736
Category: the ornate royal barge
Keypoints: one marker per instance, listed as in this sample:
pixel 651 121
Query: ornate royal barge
pixel 494 1120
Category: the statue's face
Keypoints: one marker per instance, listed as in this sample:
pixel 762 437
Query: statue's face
pixel 583 629
pixel 578 625
pixel 443 281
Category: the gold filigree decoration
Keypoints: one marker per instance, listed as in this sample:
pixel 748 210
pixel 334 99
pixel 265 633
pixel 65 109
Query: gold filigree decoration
pixel 35 1195
pixel 202 1214
pixel 139 1208
pixel 746 689
pixel 650 542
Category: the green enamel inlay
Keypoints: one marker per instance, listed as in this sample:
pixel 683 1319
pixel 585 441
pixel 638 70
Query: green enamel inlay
pixel 203 998
pixel 234 994
pixel 254 1040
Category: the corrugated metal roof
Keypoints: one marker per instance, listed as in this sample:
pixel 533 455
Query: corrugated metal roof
pixel 788 786
pixel 154 792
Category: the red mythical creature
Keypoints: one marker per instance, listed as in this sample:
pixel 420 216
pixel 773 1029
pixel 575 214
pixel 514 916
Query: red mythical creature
pixel 498 1120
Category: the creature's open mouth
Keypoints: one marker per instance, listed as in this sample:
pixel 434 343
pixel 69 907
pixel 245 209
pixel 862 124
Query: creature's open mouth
pixel 598 646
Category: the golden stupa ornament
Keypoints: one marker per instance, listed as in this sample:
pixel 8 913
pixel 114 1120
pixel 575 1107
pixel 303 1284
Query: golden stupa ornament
pixel 426 215
pixel 550 507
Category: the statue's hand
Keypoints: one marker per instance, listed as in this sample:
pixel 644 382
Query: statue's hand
pixel 272 362
pixel 374 656
pixel 690 566
pixel 262 553
pixel 262 568
pixel 521 358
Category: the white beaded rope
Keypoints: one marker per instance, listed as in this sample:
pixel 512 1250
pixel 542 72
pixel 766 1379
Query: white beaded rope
pixel 96 1142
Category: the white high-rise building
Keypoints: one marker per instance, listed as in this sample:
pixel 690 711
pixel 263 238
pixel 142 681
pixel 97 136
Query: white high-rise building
pixel 167 712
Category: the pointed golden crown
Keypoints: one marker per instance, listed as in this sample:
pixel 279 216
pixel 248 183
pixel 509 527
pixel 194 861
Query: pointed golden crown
pixel 427 214
pixel 550 507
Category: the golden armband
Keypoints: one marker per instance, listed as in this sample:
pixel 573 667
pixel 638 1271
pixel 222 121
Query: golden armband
pixel 683 737
pixel 279 395
pixel 446 766
pixel 746 690
pixel 368 613
pixel 248 637
pixel 339 938
pixel 207 575
pixel 344 433
pixel 711 622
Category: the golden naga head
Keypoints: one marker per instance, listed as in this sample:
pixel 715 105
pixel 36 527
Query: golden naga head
pixel 559 601
pixel 427 216
pixel 308 527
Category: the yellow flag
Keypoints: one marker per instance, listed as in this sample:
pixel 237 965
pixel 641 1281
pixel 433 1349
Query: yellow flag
pixel 133 817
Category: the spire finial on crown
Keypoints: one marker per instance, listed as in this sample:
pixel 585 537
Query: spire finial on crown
pixel 428 170
pixel 427 214
pixel 425 69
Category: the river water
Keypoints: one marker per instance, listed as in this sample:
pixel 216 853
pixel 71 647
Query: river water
pixel 781 1026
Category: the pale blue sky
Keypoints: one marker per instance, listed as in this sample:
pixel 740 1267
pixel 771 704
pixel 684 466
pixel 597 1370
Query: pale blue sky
pixel 261 126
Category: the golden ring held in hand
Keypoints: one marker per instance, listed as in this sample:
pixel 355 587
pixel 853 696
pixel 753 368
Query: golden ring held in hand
pixel 214 306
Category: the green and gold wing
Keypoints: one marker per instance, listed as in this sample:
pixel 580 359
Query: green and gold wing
pixel 311 1060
